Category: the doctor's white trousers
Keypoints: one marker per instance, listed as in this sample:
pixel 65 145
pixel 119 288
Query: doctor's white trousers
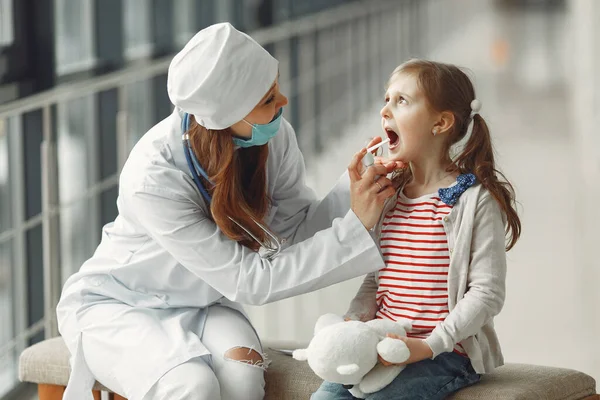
pixel 210 377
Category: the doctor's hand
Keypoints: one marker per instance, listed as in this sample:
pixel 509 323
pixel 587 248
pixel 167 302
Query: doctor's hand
pixel 369 191
pixel 385 160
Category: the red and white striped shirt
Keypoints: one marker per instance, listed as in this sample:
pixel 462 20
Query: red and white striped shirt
pixel 413 287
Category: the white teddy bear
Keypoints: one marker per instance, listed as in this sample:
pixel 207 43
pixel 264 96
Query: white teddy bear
pixel 345 352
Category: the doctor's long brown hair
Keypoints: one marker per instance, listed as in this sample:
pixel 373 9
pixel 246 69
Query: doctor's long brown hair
pixel 448 88
pixel 240 178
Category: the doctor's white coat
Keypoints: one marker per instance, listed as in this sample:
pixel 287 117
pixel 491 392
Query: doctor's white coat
pixel 167 261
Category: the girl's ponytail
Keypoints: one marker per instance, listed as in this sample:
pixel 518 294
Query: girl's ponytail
pixel 477 157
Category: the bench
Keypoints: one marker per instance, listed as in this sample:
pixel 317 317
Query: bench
pixel 47 365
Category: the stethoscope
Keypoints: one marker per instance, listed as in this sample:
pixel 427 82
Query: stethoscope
pixel 273 245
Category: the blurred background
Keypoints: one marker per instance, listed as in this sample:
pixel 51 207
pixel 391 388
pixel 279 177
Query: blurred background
pixel 82 80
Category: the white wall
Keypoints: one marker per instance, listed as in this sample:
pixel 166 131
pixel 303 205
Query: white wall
pixel 584 66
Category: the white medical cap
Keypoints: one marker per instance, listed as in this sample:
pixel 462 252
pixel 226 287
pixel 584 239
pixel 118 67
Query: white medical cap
pixel 220 76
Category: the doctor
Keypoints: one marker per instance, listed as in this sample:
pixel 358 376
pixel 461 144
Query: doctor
pixel 156 312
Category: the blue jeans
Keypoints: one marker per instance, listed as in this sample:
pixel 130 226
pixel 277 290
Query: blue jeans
pixel 427 379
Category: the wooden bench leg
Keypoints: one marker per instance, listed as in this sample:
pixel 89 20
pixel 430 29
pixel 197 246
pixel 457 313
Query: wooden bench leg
pixel 55 392
pixel 114 396
pixel 592 397
pixel 50 392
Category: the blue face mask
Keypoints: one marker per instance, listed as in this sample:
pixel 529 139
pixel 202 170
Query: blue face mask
pixel 261 133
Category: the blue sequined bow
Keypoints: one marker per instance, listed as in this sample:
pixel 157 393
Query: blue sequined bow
pixel 451 194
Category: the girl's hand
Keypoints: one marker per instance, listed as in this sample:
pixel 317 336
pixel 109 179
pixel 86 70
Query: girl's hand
pixel 419 350
pixel 369 191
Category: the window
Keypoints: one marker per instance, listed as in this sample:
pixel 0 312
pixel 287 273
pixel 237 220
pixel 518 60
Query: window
pixel 137 41
pixel 140 101
pixel 184 21
pixel 77 172
pixel 12 265
pixel 8 362
pixel 6 23
pixel 74 37
pixel 5 200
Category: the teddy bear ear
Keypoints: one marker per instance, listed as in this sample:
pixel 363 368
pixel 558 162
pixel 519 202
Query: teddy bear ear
pixel 347 369
pixel 300 354
pixel 326 320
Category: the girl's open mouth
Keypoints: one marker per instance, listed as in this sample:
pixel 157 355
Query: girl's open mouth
pixel 394 138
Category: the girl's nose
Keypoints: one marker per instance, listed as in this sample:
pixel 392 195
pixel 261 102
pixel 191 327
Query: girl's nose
pixel 384 112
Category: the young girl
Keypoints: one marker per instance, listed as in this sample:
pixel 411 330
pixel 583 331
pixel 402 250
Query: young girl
pixel 442 236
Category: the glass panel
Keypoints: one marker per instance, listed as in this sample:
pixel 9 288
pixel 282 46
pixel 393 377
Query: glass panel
pixel 224 11
pixel 140 106
pixel 184 20
pixel 8 362
pixel 13 267
pixel 138 43
pixel 74 36
pixel 6 22
pixel 75 140
pixel 6 222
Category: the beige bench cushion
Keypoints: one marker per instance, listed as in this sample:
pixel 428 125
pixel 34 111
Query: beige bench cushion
pixel 530 382
pixel 47 362
pixel 288 379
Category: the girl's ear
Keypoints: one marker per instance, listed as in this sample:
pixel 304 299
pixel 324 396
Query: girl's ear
pixel 444 123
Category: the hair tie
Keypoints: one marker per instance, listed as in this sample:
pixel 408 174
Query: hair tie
pixel 458 148
pixel 475 107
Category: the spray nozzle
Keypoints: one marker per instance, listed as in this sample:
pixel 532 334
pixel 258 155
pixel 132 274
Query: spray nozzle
pixel 369 158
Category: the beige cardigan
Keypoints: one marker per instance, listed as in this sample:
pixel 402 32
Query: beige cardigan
pixel 476 280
